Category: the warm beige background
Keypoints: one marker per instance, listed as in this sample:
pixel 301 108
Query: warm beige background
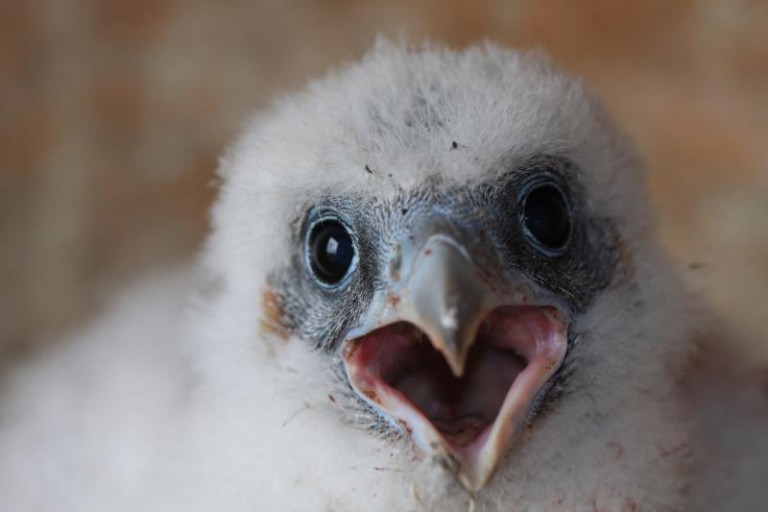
pixel 112 114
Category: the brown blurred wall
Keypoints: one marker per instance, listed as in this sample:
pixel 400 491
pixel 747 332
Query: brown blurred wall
pixel 113 113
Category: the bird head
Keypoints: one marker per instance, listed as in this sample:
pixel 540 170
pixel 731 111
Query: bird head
pixel 463 239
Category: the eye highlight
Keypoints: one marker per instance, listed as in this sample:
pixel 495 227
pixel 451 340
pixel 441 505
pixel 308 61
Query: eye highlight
pixel 546 218
pixel 331 253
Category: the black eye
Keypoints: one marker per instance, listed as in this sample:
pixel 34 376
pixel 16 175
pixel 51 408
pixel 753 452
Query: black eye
pixel 546 218
pixel 331 251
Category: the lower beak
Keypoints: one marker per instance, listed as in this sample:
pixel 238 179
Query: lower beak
pixel 455 356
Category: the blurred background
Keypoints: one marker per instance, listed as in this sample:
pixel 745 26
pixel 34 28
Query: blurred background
pixel 113 114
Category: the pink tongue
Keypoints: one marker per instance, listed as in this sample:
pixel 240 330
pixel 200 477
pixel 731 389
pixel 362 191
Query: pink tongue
pixel 460 431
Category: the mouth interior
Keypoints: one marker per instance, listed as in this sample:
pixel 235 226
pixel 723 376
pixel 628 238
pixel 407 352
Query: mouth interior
pixel 400 358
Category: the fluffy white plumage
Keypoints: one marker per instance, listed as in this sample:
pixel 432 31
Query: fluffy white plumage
pixel 181 397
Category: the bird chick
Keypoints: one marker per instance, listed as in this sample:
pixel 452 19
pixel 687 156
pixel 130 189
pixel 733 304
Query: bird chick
pixel 431 284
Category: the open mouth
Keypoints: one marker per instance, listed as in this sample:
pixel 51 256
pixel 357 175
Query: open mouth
pixel 471 417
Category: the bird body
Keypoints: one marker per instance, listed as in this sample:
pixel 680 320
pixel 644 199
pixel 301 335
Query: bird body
pixel 247 384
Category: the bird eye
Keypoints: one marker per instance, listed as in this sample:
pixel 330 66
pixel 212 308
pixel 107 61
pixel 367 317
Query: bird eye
pixel 330 251
pixel 546 218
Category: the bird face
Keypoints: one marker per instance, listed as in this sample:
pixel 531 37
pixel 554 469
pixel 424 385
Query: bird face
pixel 448 308
pixel 457 235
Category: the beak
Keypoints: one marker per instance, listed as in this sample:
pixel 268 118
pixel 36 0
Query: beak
pixel 454 354
pixel 446 299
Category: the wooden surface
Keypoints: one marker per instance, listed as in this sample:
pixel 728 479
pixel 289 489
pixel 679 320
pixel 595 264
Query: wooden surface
pixel 113 113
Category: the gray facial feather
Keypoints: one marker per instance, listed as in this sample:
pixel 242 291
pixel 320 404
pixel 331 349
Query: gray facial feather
pixel 322 315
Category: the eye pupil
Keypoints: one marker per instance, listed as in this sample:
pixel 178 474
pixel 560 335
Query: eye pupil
pixel 546 217
pixel 332 251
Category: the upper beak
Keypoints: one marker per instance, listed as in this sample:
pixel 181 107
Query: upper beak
pixel 446 299
pixel 499 345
